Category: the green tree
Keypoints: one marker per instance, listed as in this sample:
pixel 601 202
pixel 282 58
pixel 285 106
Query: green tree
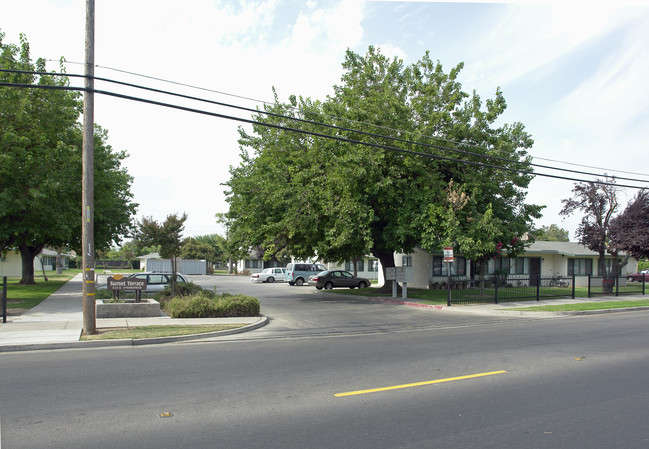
pixel 40 166
pixel 194 249
pixel 339 200
pixel 168 235
pixel 552 233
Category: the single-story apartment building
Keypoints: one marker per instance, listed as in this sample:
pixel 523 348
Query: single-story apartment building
pixel 11 262
pixel 541 259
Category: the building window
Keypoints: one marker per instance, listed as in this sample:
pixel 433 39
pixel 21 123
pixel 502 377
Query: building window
pixel 360 266
pixel 253 263
pixel 580 267
pixel 373 265
pixel 458 267
pixel 406 261
pixel 609 269
pixel 520 265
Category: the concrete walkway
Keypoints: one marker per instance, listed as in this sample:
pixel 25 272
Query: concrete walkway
pixel 57 322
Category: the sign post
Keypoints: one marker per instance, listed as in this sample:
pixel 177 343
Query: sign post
pixel 448 260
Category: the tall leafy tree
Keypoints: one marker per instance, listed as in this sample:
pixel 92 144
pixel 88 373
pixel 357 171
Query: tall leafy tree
pixel 339 199
pixel 192 248
pixel 552 233
pixel 40 165
pixel 598 201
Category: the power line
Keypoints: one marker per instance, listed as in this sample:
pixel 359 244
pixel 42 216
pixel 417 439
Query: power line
pixel 334 127
pixel 311 133
pixel 364 123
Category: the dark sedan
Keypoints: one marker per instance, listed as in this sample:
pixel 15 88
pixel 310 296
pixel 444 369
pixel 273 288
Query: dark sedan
pixel 337 278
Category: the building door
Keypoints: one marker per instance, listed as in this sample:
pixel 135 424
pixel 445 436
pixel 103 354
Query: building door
pixel 535 270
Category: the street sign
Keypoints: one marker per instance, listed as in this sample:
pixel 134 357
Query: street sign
pixel 448 254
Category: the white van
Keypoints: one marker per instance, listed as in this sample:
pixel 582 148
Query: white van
pixel 298 273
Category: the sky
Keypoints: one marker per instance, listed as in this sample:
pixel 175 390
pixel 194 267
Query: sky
pixel 575 73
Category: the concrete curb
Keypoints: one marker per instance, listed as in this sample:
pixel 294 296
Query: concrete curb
pixel 263 320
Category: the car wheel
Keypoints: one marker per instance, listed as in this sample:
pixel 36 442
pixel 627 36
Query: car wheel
pixel 270 279
pixel 362 285
pixel 328 286
pixel 299 282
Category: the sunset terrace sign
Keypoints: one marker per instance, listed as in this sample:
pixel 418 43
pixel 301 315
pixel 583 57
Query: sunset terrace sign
pixel 119 282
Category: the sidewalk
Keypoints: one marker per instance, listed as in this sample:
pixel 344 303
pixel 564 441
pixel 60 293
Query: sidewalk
pixel 57 322
pixel 507 308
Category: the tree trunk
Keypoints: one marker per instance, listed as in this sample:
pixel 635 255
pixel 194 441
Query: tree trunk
pixel 387 261
pixel 59 261
pixel 608 277
pixel 27 255
pixel 173 276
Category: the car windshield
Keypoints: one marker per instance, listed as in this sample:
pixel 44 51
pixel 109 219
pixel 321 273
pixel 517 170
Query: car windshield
pixel 322 273
pixel 266 270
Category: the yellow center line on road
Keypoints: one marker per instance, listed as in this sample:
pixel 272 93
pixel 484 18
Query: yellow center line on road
pixel 417 384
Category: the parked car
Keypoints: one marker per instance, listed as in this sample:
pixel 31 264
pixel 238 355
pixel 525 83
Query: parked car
pixel 644 274
pixel 298 273
pixel 269 275
pixel 337 278
pixel 156 282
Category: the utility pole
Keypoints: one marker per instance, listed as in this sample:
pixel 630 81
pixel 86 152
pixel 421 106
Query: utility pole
pixel 87 183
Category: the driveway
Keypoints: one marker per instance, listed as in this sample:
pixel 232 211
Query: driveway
pixel 305 311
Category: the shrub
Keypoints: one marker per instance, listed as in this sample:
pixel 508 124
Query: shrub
pixel 106 294
pixel 211 306
pixel 182 289
pixel 103 294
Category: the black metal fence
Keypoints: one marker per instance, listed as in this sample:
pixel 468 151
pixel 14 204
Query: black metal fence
pixel 496 289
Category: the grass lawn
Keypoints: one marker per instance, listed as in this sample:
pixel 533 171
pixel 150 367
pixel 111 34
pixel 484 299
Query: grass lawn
pixel 156 331
pixel 27 296
pixel 587 306
pixel 439 297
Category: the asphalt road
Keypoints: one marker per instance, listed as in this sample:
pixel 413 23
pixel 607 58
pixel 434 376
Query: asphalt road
pixel 577 382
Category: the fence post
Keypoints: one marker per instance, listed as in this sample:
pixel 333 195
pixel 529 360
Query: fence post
pixel 496 291
pixel 573 286
pixel 538 288
pixel 448 296
pixel 589 285
pixel 4 299
pixel 617 285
